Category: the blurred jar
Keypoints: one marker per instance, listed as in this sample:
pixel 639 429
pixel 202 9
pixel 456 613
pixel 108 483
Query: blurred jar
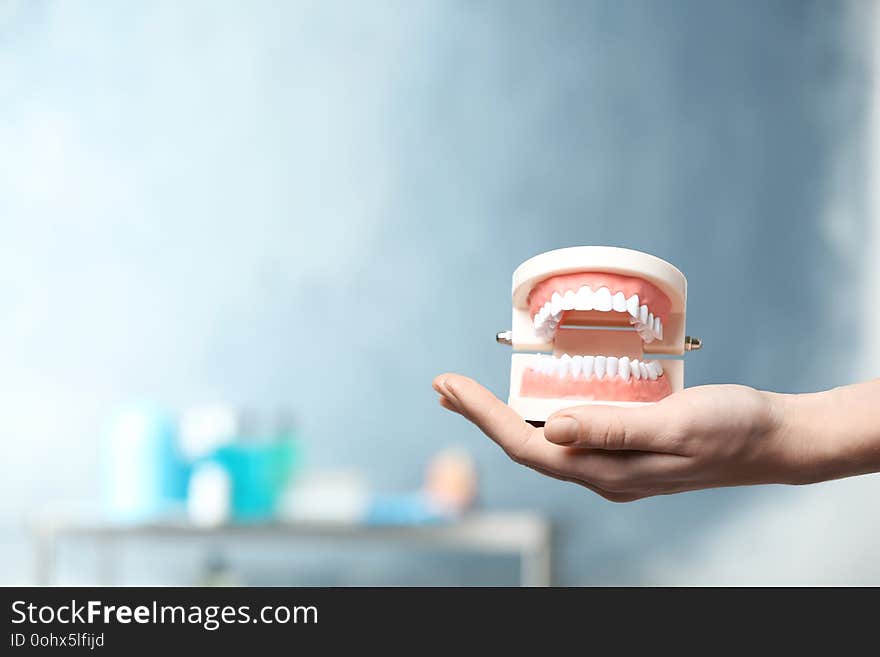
pixel 258 465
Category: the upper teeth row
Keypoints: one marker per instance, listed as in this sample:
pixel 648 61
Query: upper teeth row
pixel 548 318
pixel 598 366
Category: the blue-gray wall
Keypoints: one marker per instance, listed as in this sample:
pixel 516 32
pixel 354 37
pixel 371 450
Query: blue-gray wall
pixel 321 205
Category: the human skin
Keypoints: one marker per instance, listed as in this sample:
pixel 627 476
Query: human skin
pixel 701 437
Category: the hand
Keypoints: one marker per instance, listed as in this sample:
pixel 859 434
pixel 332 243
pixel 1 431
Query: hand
pixel 703 437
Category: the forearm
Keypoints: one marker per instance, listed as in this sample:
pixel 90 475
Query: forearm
pixel 831 434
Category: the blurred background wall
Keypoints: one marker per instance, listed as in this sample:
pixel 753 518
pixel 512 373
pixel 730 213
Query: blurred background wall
pixel 319 206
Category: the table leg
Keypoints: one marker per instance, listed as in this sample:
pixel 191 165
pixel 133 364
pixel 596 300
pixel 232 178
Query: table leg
pixel 107 566
pixel 44 557
pixel 536 566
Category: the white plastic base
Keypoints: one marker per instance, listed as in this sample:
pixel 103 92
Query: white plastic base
pixel 533 409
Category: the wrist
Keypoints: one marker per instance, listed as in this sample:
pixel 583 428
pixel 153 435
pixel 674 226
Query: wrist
pixel 827 435
pixel 801 458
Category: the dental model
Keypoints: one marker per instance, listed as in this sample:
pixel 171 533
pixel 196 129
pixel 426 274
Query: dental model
pixel 587 321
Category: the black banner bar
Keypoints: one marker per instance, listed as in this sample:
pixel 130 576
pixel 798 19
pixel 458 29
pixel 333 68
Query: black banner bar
pixel 122 620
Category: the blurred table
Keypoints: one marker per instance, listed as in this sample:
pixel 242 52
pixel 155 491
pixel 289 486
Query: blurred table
pixel 524 534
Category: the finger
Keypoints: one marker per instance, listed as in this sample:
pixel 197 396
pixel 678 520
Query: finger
pixel 494 418
pixel 608 495
pixel 448 405
pixel 643 428
pixel 631 472
pixel 622 476
pixel 522 442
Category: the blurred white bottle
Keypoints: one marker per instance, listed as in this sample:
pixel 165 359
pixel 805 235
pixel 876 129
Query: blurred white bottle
pixel 209 498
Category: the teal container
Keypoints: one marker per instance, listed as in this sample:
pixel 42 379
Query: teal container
pixel 260 473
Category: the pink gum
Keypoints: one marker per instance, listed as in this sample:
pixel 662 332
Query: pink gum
pixel 550 386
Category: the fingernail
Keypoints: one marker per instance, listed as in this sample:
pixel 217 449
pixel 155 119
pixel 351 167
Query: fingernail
pixel 446 393
pixel 561 430
pixel 447 390
pixel 443 389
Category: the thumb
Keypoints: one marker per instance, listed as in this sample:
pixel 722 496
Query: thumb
pixel 608 427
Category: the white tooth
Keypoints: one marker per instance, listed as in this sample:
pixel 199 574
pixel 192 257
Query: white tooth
pixel 643 314
pixel 658 328
pixel 635 370
pixel 643 370
pixel 584 298
pixel 623 369
pixel 632 305
pixel 650 321
pixel 556 303
pixel 653 370
pixel 589 362
pixel 568 300
pixel 618 302
pixel 537 322
pixel 564 364
pixel 544 313
pixel 658 367
pixel 577 364
pixel 602 299
pixel 599 366
pixel 611 367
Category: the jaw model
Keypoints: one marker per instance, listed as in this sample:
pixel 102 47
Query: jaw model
pixel 588 322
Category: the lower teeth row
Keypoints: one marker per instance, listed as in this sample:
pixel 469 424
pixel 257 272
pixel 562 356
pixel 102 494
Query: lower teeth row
pixel 600 367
